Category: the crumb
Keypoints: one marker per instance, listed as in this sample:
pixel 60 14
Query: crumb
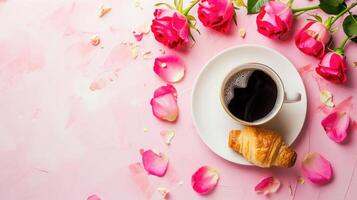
pixel 95 40
pixel 104 10
pixel 242 33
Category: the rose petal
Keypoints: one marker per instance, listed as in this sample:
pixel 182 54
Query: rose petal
pixel 167 136
pixel 336 125
pixel 93 197
pixel 164 192
pixel 204 180
pixel 316 168
pixel 354 64
pixel 170 68
pixel 326 98
pixel 141 179
pixel 155 163
pixel 164 103
pixel 267 185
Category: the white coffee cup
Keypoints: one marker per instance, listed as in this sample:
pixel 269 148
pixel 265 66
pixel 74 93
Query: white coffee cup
pixel 282 95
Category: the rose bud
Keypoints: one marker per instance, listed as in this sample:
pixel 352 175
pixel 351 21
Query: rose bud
pixel 332 67
pixel 170 27
pixel 312 39
pixel 275 19
pixel 216 14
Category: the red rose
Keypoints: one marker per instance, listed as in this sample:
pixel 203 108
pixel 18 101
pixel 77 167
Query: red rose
pixel 275 19
pixel 312 39
pixel 216 14
pixel 170 28
pixel 332 67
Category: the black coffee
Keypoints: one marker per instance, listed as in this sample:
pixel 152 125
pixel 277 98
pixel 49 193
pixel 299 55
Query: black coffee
pixel 256 100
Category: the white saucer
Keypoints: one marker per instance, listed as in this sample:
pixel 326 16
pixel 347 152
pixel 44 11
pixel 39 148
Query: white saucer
pixel 211 121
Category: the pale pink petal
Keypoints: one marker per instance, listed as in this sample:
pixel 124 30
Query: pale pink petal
pixel 155 163
pixel 167 136
pixel 141 179
pixel 205 179
pixel 316 168
pixel 336 126
pixel 267 185
pixel 93 197
pixel 170 68
pixel 164 103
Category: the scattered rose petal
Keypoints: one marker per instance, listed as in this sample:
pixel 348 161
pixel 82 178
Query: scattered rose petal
pixel 164 192
pixel 145 130
pixel 167 136
pixel 164 103
pixel 141 179
pixel 93 197
pixel 326 98
pixel 104 10
pixel 134 49
pixel 267 185
pixel 354 64
pixel 336 126
pixel 95 40
pixel 242 33
pixel 147 55
pixel 205 179
pixel 300 180
pixel 180 183
pixel 170 68
pixel 155 163
pixel 316 168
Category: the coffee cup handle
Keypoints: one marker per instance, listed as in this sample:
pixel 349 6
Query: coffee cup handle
pixel 292 97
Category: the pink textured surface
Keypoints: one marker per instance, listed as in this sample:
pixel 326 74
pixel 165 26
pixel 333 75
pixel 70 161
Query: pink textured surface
pixel 61 140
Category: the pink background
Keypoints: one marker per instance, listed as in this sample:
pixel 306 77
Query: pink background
pixel 61 140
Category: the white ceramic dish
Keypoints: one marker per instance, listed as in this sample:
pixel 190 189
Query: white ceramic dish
pixel 213 123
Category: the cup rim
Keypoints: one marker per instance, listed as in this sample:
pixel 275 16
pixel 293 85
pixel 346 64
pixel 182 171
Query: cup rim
pixel 278 82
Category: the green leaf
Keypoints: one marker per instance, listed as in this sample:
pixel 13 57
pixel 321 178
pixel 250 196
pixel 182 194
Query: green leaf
pixel 350 27
pixel 332 7
pixel 254 6
pixel 164 4
pixel 192 20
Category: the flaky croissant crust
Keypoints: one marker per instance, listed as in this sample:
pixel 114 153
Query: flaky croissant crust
pixel 262 147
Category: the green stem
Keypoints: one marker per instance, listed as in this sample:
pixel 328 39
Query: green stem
pixel 342 13
pixel 185 12
pixel 343 44
pixel 295 10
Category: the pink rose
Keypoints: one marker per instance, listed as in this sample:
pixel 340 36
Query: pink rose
pixel 333 67
pixel 275 19
pixel 170 28
pixel 312 39
pixel 216 14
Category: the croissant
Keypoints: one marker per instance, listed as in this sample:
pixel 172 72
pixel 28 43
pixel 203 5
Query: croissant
pixel 262 147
